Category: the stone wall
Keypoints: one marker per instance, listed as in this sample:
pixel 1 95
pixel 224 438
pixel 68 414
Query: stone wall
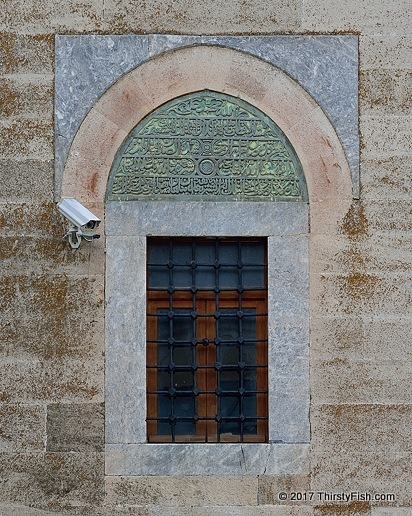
pixel 52 302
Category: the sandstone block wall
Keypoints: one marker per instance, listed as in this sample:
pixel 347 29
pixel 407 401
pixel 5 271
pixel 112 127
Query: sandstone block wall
pixel 52 300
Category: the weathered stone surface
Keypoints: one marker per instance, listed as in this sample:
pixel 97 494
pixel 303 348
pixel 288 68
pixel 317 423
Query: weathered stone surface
pixel 365 292
pixel 40 304
pixel 271 486
pixel 68 380
pixel 388 178
pixel 26 95
pixel 75 427
pixel 46 16
pixel 23 510
pixel 362 428
pixel 202 18
pixel 22 428
pixel 349 509
pixel 385 136
pixel 176 491
pixel 211 459
pixel 29 180
pixel 374 473
pixel 386 92
pixel 358 338
pixel 339 380
pixel 26 137
pixel 206 218
pixel 385 51
pixel 390 511
pixel 365 17
pixel 52 480
pixel 26 53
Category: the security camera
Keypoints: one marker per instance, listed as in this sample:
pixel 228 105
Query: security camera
pixel 82 221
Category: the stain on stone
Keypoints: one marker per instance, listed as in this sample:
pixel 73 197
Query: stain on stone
pixel 358 285
pixel 351 509
pixel 355 223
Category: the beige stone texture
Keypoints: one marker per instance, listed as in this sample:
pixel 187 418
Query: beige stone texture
pixel 29 95
pixel 25 53
pixel 75 427
pixel 385 136
pixel 341 380
pixel 270 487
pixel 197 17
pixel 365 472
pixel 385 51
pixel 27 181
pixel 368 16
pixel 362 428
pixel 25 137
pixel 176 491
pixel 52 480
pixel 75 15
pixel 387 178
pixel 358 338
pixel 22 428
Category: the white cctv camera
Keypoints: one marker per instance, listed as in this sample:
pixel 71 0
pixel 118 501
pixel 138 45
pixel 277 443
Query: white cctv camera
pixel 82 221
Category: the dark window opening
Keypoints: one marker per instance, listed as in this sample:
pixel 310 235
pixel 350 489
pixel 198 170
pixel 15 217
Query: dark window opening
pixel 207 340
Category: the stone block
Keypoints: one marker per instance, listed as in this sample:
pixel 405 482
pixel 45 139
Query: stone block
pixel 385 136
pixel 366 17
pixel 206 218
pixel 28 180
pixel 202 18
pixel 359 292
pixel 338 381
pixel 271 486
pixel 365 472
pixel 361 428
pixel 379 252
pixel 389 178
pixel 177 491
pixel 43 317
pixel 260 510
pixel 49 16
pixel 71 380
pixel 27 138
pixel 52 480
pixel 26 53
pixel 75 427
pixel 386 92
pixel 14 509
pixel 27 95
pixel 227 459
pixel 385 51
pixel 349 509
pixel 356 338
pixel 22 428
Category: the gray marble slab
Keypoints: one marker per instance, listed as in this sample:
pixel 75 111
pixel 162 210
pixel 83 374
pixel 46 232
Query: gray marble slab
pixel 325 66
pixel 209 459
pixel 196 218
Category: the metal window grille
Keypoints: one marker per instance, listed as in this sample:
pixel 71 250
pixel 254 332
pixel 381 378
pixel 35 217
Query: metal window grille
pixel 207 340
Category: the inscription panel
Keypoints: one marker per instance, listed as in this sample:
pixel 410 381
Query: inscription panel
pixel 207 146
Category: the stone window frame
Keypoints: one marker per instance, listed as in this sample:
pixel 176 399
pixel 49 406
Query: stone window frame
pixel 128 224
pixel 85 177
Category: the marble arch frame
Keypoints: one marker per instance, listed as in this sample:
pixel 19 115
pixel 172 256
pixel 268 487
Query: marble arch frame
pixel 327 173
